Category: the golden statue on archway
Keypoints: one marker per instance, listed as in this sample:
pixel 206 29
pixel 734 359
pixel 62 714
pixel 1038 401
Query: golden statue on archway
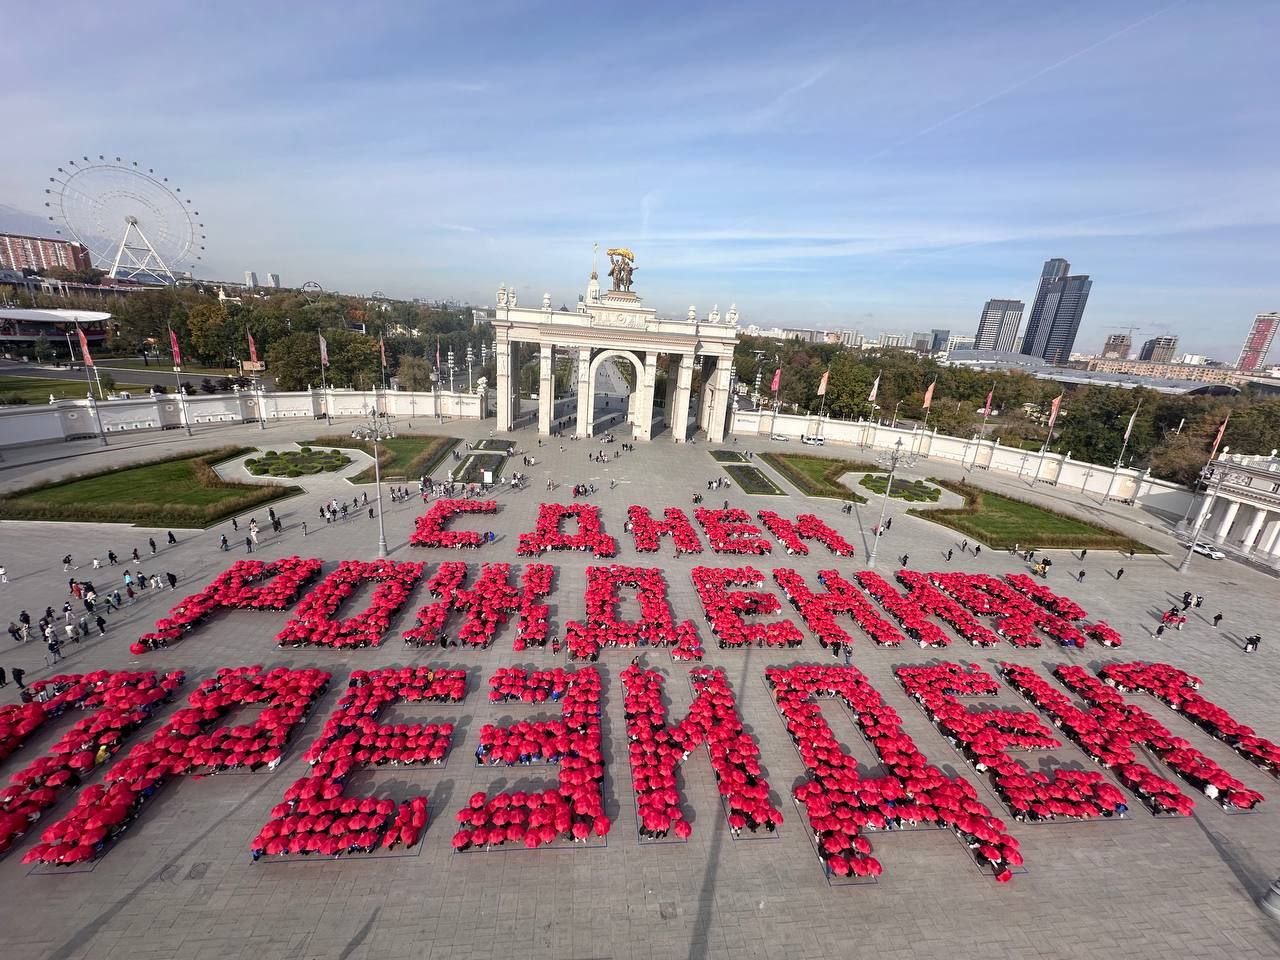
pixel 622 262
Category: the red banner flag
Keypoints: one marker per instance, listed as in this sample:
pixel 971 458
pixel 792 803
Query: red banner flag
pixel 1053 412
pixel 777 380
pixel 928 395
pixel 822 384
pixel 84 347
pixel 986 411
pixel 382 347
pixel 253 348
pixel 875 390
pixel 173 345
pixel 1218 439
pixel 324 352
pixel 437 353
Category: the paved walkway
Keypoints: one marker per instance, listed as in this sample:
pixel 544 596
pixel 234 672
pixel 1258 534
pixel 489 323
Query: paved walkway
pixel 181 884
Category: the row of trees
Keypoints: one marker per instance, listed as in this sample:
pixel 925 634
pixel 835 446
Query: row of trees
pixel 1172 434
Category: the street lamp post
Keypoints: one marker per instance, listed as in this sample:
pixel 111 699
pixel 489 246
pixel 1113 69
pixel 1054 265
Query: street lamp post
pixel 375 431
pixel 449 364
pixel 471 356
pixel 896 407
pixel 894 457
pixel 1203 518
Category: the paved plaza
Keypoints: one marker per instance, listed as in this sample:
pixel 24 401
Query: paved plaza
pixel 181 882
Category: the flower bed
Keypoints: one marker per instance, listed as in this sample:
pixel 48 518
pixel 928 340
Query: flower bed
pixel 656 626
pixel 841 806
pixel 725 609
pixel 315 816
pixel 574 808
pixel 186 744
pixel 296 463
pixel 314 623
pixel 430 531
pixel 913 491
pixel 247 585
pixel 657 749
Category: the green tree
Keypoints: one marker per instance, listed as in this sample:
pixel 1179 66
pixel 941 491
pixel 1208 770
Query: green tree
pixel 209 332
pixel 413 373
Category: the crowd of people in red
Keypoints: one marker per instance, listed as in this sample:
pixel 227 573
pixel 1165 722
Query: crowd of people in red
pixel 731 531
pixel 986 738
pixel 1178 689
pixel 842 806
pixel 548 532
pixel 1108 731
pixel 429 530
pixel 657 749
pixel 648 532
pixel 186 744
pixel 313 623
pixel 116 704
pixel 656 627
pixel 806 527
pixel 725 609
pixel 315 817
pixel 574 808
pixel 245 585
pixel 488 604
pixel 820 610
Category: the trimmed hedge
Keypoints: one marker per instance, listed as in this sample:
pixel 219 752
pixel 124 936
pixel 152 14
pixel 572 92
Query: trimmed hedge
pixel 728 456
pixel 394 463
pixel 1001 521
pixel 104 496
pixel 913 491
pixel 822 478
pixel 295 463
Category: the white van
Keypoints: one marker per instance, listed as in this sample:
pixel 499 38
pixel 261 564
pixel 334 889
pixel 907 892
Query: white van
pixel 812 440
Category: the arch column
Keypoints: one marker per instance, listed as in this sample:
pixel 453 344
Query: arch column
pixel 503 361
pixel 1205 509
pixel 684 387
pixel 1255 527
pixel 645 386
pixel 719 400
pixel 584 392
pixel 1233 507
pixel 1270 541
pixel 668 405
pixel 546 390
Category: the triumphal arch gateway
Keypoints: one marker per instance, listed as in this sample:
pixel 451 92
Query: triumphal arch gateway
pixel 616 325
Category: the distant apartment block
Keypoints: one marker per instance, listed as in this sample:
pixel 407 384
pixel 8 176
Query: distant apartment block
pixel 250 279
pixel 273 281
pixel 1170 371
pixel 938 340
pixel 998 325
pixel 18 252
pixel 1257 344
pixel 1118 346
pixel 1159 349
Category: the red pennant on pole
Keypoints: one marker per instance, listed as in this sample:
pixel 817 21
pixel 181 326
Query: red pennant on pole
pixel 928 395
pixel 84 347
pixel 253 348
pixel 1218 439
pixel 173 345
pixel 777 380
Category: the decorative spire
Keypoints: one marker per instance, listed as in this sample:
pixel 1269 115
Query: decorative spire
pixel 595 247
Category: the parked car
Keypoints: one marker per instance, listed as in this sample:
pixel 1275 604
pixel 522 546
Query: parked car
pixel 812 440
pixel 779 437
pixel 1207 550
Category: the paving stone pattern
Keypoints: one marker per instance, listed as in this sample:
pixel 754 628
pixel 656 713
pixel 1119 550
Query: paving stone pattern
pixel 181 882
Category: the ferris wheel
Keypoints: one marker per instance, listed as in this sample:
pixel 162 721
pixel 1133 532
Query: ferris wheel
pixel 136 224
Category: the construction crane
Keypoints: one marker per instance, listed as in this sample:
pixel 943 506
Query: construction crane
pixel 1129 329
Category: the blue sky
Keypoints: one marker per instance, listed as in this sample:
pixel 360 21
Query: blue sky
pixel 877 166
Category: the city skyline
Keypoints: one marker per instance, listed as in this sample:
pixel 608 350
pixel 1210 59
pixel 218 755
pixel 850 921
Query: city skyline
pixel 845 181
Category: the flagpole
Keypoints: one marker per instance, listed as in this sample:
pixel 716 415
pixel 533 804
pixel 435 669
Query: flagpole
pixel 982 432
pixel 1123 447
pixel 1044 447
pixel 177 379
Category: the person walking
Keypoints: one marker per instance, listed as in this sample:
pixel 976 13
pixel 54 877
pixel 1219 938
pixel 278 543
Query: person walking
pixel 1159 632
pixel 4 681
pixel 224 545
pixel 888 524
pixel 977 549
pixel 964 546
pixel 1251 642
pixel 950 551
pixel 1217 619
pixel 905 558
pixel 248 545
pixel 1080 577
pixel 102 625
pixel 1084 553
pixel 1120 573
pixel 15 632
pixel 112 559
pixel 1198 601
pixel 136 558
pixel 235 526
pixel 55 651
pixel 4 574
pixel 66 611
pixel 172 538
pixel 152 542
pixel 173 580
pixel 67 564
pixel 18 674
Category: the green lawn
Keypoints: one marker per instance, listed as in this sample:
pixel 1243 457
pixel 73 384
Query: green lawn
pixel 181 491
pixel 1000 522
pixel 406 457
pixel 473 465
pixel 728 456
pixel 753 480
pixel 818 476
pixel 164 366
pixel 37 389
pixel 913 491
